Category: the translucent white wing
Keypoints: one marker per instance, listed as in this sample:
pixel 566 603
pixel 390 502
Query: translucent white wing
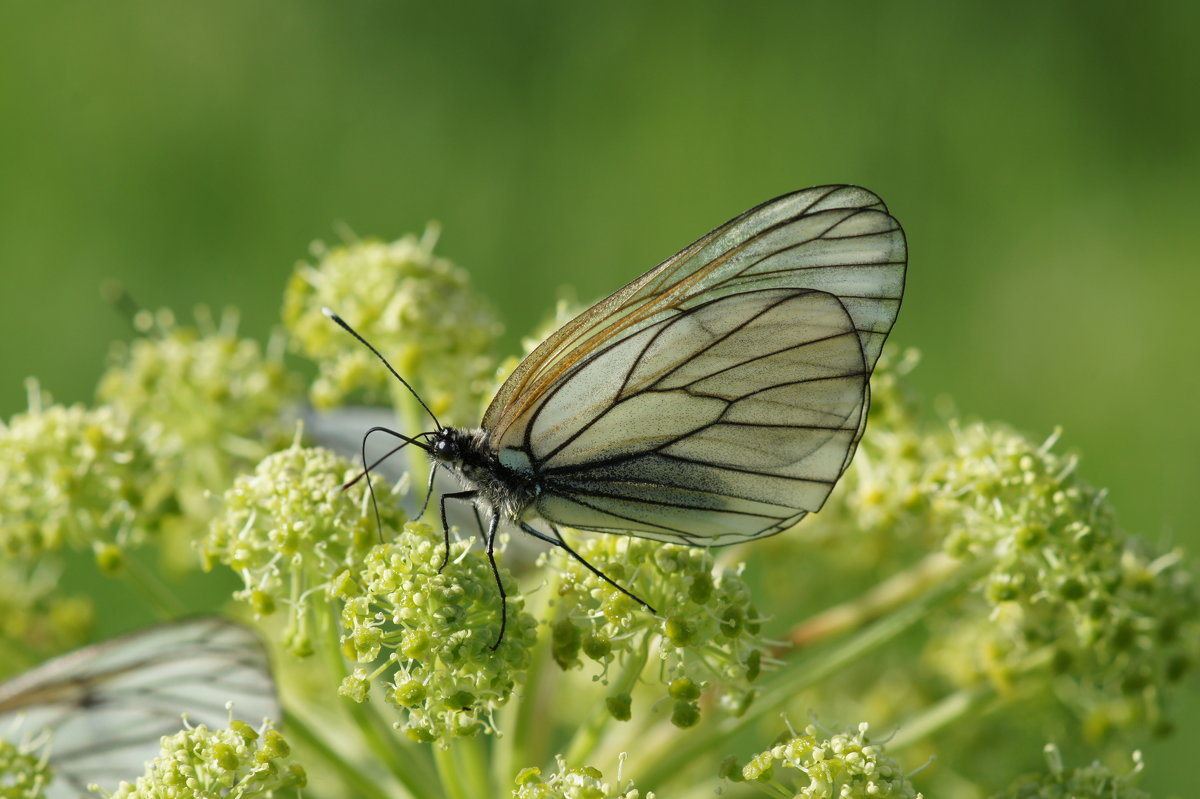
pixel 720 396
pixel 108 705
pixel 837 239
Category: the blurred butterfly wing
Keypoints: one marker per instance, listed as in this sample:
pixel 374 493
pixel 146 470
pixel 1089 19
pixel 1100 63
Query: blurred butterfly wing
pixel 838 239
pixel 718 397
pixel 108 705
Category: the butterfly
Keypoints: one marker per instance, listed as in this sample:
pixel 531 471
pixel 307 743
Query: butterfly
pixel 713 400
pixel 106 706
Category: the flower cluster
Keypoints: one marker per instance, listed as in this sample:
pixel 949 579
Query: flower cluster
pixel 583 782
pixel 813 765
pixel 25 771
pixel 203 400
pixel 1066 587
pixel 706 635
pixel 235 763
pixel 415 308
pixel 74 477
pixel 429 633
pixel 1089 782
pixel 1059 589
pixel 288 529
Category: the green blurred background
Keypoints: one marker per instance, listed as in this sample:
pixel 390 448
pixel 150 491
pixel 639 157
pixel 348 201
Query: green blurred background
pixel 1042 157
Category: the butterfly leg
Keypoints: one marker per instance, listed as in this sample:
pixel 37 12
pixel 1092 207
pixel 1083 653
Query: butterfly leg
pixel 466 496
pixel 428 493
pixel 479 522
pixel 560 542
pixel 494 523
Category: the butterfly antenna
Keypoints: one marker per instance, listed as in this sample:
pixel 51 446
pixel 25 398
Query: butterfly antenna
pixel 345 326
pixel 366 470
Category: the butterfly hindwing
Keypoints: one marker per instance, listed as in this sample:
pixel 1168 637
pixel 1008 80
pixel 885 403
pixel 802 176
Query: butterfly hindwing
pixel 106 706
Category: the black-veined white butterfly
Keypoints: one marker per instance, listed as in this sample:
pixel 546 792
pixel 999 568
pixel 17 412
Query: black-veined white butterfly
pixel 106 706
pixel 716 399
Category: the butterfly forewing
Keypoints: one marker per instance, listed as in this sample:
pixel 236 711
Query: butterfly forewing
pixel 720 396
pixel 107 706
pixel 838 239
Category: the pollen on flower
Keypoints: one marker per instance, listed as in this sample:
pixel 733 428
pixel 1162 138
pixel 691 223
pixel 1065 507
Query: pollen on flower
pixel 417 308
pixel 428 634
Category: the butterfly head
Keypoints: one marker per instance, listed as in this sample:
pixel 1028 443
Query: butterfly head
pixel 458 447
pixel 446 445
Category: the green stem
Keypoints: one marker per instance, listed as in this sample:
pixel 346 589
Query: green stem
pixel 525 733
pixel 473 765
pixel 940 715
pixel 448 772
pixel 964 702
pixel 352 775
pixel 875 603
pixel 410 771
pixel 146 583
pixel 587 737
pixel 412 419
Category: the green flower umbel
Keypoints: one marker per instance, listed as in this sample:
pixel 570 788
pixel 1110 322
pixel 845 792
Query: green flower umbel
pixel 236 763
pixel 203 400
pixel 428 634
pixel 417 309
pixel 1067 589
pixel 288 529
pixel 1090 782
pixel 74 477
pixel 814 765
pixel 706 635
pixel 583 782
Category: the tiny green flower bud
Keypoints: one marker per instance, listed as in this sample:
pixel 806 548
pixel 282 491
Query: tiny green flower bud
pixel 683 688
pixel 685 714
pixel 620 706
